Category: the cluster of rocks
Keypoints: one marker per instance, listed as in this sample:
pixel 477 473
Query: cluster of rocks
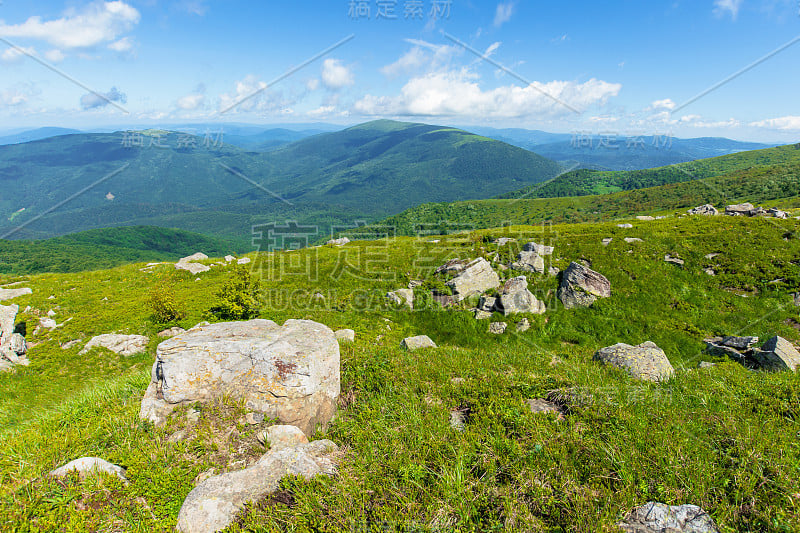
pixel 740 210
pixel 338 242
pixel 13 349
pixel 190 263
pixel 777 354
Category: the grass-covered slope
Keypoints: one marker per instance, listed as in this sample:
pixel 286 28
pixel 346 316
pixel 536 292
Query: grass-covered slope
pixel 62 184
pixel 106 248
pixel 587 182
pixel 761 185
pixel 723 438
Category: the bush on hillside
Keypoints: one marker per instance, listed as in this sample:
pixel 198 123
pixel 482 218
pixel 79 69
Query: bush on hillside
pixel 239 298
pixel 164 304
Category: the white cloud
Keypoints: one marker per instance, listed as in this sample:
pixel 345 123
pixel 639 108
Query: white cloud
pixel 13 97
pixel 335 75
pixel 781 123
pixel 667 103
pixel 123 45
pixel 423 56
pixel 503 13
pixel 12 55
pixel 312 84
pixel 492 49
pixel 194 7
pixel 98 100
pixel 190 102
pixel 54 56
pixel 251 95
pixel 723 7
pixel 457 94
pixel 98 23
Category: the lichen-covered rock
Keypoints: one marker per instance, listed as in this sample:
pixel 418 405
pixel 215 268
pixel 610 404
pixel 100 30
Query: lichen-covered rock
pixel 540 249
pixel 288 372
pixel 214 503
pixel 125 345
pixel 656 517
pixel 282 436
pixel 645 361
pixel 402 297
pixel 477 278
pixel 529 262
pixel 516 298
pixel 777 354
pixel 581 286
pixel 706 210
pixel 497 328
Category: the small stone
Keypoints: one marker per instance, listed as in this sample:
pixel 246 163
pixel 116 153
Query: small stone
pixel 254 418
pixel 193 416
pixel 523 325
pixel 656 517
pixel 625 226
pixel 706 364
pixel 283 436
pixel 607 241
pixel 541 406
pixel 243 261
pixel 458 419
pixel 674 260
pixel 417 343
pixel 631 240
pixel 644 218
pixel 86 466
pixel 482 315
pixel 497 328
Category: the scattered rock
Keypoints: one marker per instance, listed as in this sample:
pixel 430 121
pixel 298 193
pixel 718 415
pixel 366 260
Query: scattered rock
pixel 710 272
pixel 740 210
pixel 414 283
pixel 497 328
pixel 338 242
pixel 189 264
pixel 711 256
pixel 47 323
pixel 454 266
pixel 214 503
pixel 553 271
pixel 417 343
pixel 607 241
pixel 502 241
pixel 345 335
pixel 581 287
pixel 8 317
pixel 796 299
pixel 707 210
pixel 488 304
pixel 402 297
pixel 645 361
pixel 283 437
pixel 171 332
pixel 477 278
pixel 125 345
pixel 86 466
pixel 289 372
pixel 542 406
pixel 631 240
pixel 229 258
pixel 482 315
pixel 674 260
pixel 255 418
pixel 523 325
pixel 625 226
pixel 516 298
pixel 706 364
pixel 645 218
pixel 459 418
pixel 538 248
pixel 70 344
pixel 243 261
pixel 9 294
pixel 656 517
pixel 529 262
pixel 777 354
pixel 777 213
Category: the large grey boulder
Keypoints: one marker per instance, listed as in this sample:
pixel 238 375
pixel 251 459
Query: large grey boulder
pixel 188 263
pixel 707 210
pixel 288 372
pixel 516 298
pixel 581 286
pixel 12 345
pixel 86 466
pixel 777 213
pixel 529 262
pixel 477 278
pixel 656 517
pixel 777 354
pixel 417 343
pixel 214 503
pixel 125 345
pixel 10 294
pixel 645 361
pixel 8 316
pixel 746 210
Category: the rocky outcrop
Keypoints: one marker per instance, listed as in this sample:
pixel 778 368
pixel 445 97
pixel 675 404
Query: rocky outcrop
pixel 288 372
pixel 338 242
pixel 10 294
pixel 125 345
pixel 645 361
pixel 86 466
pixel 581 286
pixel 538 248
pixel 417 343
pixel 477 278
pixel 707 210
pixel 13 349
pixel 656 517
pixel 777 354
pixel 738 210
pixel 529 262
pixel 516 298
pixel 214 503
pixel 402 297
pixel 189 264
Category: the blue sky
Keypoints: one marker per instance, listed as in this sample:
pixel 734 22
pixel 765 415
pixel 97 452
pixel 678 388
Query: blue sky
pixel 623 67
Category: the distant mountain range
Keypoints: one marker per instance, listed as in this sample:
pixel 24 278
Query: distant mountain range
pixel 81 181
